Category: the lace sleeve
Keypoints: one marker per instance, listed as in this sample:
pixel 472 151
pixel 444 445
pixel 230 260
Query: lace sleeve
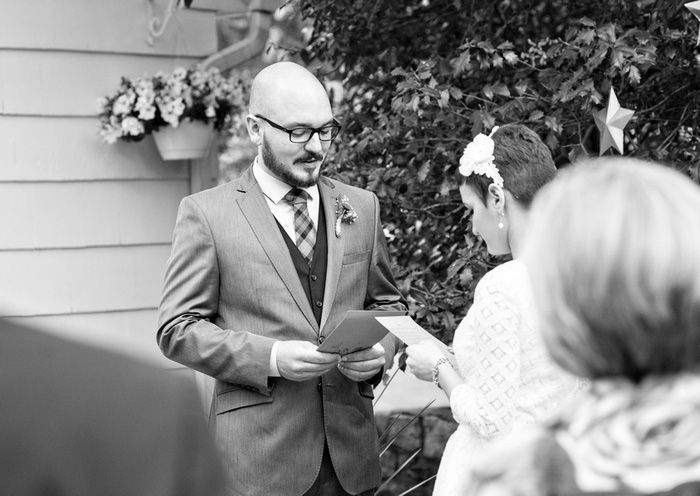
pixel 486 399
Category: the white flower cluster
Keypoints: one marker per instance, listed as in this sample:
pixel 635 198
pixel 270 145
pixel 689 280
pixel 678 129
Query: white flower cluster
pixel 478 159
pixel 144 105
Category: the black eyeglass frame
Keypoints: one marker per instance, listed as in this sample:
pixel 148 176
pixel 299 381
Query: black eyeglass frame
pixel 335 129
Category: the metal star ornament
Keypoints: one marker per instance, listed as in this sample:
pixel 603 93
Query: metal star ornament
pixel 611 122
pixel 694 7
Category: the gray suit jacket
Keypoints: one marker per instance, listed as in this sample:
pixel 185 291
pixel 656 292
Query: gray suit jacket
pixel 231 290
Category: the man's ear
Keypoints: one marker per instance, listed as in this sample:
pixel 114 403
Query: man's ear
pixel 497 197
pixel 254 129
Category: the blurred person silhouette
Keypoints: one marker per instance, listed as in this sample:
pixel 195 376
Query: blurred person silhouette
pixel 505 376
pixel 613 254
pixel 80 420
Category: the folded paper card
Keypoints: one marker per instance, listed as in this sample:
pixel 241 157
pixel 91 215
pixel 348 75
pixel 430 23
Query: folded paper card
pixel 357 331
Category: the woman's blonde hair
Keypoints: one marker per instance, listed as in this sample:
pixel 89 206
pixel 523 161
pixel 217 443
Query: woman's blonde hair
pixel 614 256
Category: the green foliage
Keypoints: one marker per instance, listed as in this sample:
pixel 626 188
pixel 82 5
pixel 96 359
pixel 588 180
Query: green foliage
pixel 422 77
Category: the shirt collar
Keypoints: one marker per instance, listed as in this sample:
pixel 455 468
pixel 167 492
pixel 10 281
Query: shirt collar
pixel 274 188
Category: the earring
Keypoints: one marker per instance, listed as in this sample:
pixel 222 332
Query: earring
pixel 501 216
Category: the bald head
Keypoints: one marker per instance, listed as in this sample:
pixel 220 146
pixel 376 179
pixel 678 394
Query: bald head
pixel 286 98
pixel 289 92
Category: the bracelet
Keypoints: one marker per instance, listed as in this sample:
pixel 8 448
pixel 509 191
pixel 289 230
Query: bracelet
pixel 436 371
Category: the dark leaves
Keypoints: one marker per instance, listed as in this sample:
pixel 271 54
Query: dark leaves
pixel 422 78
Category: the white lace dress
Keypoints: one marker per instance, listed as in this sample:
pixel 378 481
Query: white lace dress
pixel 509 380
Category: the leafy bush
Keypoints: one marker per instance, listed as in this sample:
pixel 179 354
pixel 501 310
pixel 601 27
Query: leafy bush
pixel 422 77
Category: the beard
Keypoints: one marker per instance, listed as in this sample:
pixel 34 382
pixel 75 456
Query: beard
pixel 298 177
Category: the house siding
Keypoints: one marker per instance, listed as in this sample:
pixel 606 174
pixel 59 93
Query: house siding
pixel 86 227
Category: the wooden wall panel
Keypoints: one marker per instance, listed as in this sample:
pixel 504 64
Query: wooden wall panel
pixel 83 214
pixel 86 227
pixel 99 26
pixel 46 282
pixel 69 83
pixel 69 149
pixel 137 327
pixel 222 5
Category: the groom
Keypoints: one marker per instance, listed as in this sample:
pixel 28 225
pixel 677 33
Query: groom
pixel 262 269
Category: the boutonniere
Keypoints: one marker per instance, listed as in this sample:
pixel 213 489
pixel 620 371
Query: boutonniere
pixel 344 213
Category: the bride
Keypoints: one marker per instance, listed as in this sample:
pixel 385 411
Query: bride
pixel 505 377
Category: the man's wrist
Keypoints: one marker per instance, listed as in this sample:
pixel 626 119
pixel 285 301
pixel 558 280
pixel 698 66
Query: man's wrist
pixel 274 370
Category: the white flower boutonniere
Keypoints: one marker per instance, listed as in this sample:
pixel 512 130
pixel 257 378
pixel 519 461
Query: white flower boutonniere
pixel 344 213
pixel 478 159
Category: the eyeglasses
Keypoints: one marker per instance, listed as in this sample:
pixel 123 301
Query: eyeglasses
pixel 304 134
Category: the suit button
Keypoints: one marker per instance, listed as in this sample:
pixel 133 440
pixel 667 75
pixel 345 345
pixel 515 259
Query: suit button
pixel 321 339
pixel 319 303
pixel 319 386
pixel 314 277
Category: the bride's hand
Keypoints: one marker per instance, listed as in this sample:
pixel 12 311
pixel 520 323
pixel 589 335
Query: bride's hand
pixel 422 357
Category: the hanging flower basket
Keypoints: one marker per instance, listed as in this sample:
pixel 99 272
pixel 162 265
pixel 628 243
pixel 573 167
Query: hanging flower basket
pixel 189 140
pixel 182 110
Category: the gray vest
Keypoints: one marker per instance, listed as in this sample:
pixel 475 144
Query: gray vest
pixel 313 278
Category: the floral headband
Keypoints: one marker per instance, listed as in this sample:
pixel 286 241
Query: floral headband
pixel 478 158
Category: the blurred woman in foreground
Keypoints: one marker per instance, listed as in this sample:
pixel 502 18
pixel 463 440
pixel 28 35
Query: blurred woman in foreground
pixel 614 258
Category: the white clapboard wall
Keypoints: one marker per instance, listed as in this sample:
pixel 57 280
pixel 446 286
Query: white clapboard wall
pixel 86 227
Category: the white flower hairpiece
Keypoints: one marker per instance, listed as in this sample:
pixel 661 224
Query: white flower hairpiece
pixel 478 158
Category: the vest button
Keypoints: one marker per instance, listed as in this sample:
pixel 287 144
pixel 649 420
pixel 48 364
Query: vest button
pixel 314 277
pixel 319 303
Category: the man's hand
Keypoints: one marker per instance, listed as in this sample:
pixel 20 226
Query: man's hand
pixel 363 364
pixel 299 360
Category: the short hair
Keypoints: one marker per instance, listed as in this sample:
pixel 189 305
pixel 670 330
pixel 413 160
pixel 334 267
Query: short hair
pixel 614 258
pixel 523 160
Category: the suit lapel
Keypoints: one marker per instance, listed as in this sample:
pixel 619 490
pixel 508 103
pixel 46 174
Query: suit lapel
pixel 336 247
pixel 262 222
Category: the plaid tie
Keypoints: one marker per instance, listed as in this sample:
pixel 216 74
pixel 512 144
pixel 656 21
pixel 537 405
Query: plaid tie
pixel 304 228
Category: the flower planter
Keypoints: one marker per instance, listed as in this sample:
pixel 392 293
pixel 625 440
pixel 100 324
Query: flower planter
pixel 199 101
pixel 189 140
